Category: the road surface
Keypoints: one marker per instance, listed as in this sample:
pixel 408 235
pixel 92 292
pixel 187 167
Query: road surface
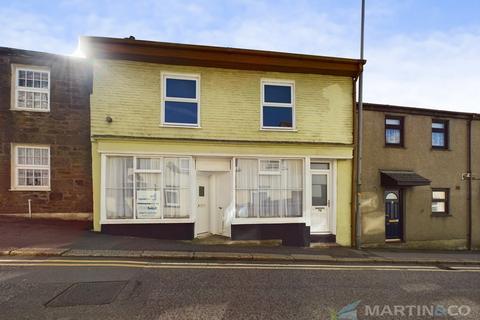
pixel 131 289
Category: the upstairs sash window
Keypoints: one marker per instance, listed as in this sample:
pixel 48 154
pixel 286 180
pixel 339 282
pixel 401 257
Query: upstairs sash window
pixel 278 105
pixel 32 89
pixel 181 100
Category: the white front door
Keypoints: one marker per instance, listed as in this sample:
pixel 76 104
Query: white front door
pixel 203 205
pixel 320 211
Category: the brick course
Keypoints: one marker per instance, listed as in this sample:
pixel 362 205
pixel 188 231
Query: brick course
pixel 66 128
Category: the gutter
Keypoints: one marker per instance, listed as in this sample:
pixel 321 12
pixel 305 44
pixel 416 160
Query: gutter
pixel 428 112
pixel 217 57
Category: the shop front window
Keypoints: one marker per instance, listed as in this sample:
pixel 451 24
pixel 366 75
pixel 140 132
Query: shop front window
pixel 147 187
pixel 268 188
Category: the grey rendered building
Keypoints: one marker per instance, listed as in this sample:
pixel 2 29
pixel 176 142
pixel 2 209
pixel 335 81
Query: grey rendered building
pixel 420 178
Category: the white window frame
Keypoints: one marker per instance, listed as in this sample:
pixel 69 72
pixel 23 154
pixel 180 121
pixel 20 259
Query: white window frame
pixel 332 180
pixel 179 76
pixel 16 167
pixel 177 196
pixel 265 220
pixel 183 168
pixel 135 220
pixel 15 87
pixel 269 172
pixel 445 200
pixel 135 172
pixel 282 83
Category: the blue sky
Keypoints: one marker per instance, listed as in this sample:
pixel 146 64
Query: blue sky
pixel 420 53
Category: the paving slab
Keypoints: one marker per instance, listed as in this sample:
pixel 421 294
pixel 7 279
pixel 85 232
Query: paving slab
pixel 222 256
pixel 387 260
pixel 167 254
pixel 222 240
pixel 353 260
pixel 271 257
pixel 425 254
pixel 38 252
pixel 102 253
pixel 311 257
pixel 41 233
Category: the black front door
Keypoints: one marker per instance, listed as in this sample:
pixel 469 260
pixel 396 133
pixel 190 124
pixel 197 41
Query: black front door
pixel 393 215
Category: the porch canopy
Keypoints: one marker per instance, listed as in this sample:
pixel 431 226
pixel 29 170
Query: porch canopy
pixel 402 179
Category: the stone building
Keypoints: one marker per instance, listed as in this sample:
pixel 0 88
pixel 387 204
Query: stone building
pixel 420 178
pixel 45 150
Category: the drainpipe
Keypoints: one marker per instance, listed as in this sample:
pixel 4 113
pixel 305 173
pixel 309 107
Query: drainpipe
pixel 469 184
pixel 358 224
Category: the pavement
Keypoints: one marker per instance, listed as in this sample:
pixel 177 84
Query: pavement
pixel 54 238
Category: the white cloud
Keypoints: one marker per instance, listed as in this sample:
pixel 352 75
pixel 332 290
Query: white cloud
pixel 31 31
pixel 436 71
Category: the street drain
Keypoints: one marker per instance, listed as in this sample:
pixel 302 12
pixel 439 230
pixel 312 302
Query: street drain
pixel 88 293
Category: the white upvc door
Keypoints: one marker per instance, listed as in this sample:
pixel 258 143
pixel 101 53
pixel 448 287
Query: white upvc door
pixel 321 205
pixel 203 204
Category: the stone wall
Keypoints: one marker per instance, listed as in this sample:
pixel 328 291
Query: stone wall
pixel 65 128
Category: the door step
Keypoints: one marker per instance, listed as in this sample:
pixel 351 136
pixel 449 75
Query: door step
pixel 393 240
pixel 325 238
pixel 204 235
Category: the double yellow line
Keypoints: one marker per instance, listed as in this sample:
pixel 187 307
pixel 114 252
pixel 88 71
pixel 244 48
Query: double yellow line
pixel 217 265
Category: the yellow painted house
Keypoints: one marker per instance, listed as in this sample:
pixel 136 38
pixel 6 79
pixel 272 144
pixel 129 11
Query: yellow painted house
pixel 195 140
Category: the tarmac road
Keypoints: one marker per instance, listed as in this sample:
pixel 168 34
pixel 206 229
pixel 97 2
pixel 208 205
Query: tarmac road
pixel 135 289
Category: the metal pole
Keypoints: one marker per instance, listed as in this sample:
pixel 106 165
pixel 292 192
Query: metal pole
pixel 358 221
pixel 30 208
pixel 469 185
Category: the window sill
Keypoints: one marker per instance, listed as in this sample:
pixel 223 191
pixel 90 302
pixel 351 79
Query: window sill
pixel 173 125
pixel 440 149
pixel 440 215
pixel 279 129
pixel 268 220
pixel 30 110
pixel 394 146
pixel 147 221
pixel 29 189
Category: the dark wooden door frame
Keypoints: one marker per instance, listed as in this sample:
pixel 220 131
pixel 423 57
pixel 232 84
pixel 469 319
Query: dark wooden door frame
pixel 401 213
